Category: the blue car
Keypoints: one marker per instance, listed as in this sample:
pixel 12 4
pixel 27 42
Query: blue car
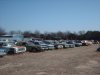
pixel 2 51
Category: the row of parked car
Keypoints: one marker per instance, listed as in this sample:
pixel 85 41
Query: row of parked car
pixel 38 46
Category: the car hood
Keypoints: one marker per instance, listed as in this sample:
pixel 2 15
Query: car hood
pixel 18 46
pixel 43 44
pixel 50 45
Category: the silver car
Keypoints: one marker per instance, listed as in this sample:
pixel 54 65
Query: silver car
pixel 70 43
pixel 49 44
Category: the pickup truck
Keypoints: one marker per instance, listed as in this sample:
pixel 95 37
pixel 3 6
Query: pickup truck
pixel 12 48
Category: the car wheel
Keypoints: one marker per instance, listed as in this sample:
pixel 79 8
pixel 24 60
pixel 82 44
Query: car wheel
pixel 1 56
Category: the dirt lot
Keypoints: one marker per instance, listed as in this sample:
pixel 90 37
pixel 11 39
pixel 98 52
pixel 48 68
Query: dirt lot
pixel 73 61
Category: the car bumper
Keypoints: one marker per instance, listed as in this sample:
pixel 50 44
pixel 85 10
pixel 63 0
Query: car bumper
pixel 50 47
pixel 2 54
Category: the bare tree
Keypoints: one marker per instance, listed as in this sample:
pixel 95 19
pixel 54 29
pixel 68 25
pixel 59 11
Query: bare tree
pixel 81 32
pixel 37 34
pixel 12 32
pixel 2 31
pixel 27 33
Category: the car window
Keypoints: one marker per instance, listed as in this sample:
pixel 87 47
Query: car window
pixel 11 44
pixel 1 49
pixel 24 43
pixel 36 43
pixel 12 49
pixel 78 41
pixel 41 42
pixel 4 44
pixel 69 43
pixel 30 43
pixel 46 42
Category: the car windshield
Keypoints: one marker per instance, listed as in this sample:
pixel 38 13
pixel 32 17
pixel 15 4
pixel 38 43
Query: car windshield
pixel 47 42
pixel 56 42
pixel 63 42
pixel 30 43
pixel 41 42
pixel 69 42
pixel 11 44
pixel 78 41
pixel 2 49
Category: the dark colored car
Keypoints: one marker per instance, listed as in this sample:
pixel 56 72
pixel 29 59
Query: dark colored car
pixel 98 49
pixel 31 47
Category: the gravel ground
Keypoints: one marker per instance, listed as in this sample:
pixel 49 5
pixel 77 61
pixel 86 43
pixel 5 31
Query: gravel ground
pixel 72 61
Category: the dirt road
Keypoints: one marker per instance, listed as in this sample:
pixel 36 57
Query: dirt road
pixel 73 61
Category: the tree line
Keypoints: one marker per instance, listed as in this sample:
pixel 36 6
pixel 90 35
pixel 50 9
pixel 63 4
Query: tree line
pixel 81 35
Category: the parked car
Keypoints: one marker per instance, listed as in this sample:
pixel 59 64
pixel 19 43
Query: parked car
pixel 71 44
pixel 98 49
pixel 41 45
pixel 86 43
pixel 49 44
pixel 12 48
pixel 77 43
pixel 31 47
pixel 65 45
pixel 95 42
pixel 2 51
pixel 57 45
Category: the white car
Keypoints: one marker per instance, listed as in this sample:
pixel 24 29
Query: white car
pixel 65 45
pixel 13 48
